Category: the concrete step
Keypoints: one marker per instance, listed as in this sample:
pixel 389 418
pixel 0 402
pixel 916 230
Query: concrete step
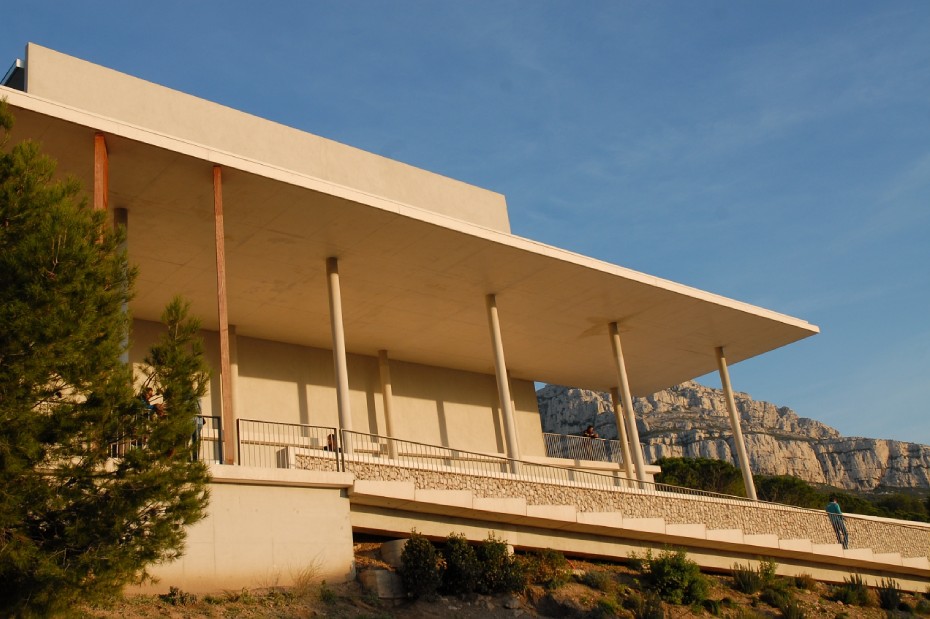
pixel 648 525
pixel 918 562
pixel 733 536
pixel 564 513
pixel 832 550
pixel 799 545
pixel 761 539
pixel 600 519
pixel 501 505
pixel 698 531
pixel 894 558
pixel 448 498
pixel 859 553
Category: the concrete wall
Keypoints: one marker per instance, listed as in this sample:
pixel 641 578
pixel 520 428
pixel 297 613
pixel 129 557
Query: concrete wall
pixel 91 87
pixel 296 384
pixel 265 528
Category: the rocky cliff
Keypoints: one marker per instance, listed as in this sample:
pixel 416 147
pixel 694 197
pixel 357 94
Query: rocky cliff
pixel 691 420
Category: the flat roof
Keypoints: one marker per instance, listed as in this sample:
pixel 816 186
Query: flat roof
pixel 413 280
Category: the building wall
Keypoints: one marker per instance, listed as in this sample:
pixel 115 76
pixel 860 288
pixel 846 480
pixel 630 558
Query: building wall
pixel 87 86
pixel 288 383
pixel 265 528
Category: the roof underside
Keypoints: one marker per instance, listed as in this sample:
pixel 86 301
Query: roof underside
pixel 412 282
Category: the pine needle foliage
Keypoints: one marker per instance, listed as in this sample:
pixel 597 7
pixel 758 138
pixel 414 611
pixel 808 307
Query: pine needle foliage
pixel 79 515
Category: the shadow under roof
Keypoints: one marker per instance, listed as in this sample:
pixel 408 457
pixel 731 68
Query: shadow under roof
pixel 413 282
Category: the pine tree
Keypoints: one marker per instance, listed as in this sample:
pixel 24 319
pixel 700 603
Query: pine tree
pixel 93 488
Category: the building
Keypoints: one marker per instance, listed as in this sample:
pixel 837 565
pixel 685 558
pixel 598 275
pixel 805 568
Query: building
pixel 359 311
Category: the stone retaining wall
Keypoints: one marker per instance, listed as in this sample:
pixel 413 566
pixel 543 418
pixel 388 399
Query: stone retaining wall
pixel 752 518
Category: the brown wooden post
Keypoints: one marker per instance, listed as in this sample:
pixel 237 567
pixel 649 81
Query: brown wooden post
pixel 229 444
pixel 101 173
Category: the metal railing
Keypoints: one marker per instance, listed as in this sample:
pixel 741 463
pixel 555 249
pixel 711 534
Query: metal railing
pixel 277 445
pixel 363 448
pixel 208 440
pixel 573 447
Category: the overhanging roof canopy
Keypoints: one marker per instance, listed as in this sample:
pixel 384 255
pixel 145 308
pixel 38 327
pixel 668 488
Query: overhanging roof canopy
pixel 413 282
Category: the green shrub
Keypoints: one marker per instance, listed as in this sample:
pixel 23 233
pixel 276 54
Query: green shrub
pixel 422 567
pixel 805 581
pixel 462 567
pixel 889 595
pixel 852 592
pixel 775 596
pixel 647 606
pixel 712 606
pixel 674 577
pixel 548 568
pixel 500 572
pixel 767 568
pixel 176 597
pixel 922 607
pixel 746 579
pixel 598 579
pixel 605 608
pixel 791 609
pixel 327 595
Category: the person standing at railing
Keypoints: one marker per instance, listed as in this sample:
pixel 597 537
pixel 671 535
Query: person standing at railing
pixel 591 434
pixel 839 524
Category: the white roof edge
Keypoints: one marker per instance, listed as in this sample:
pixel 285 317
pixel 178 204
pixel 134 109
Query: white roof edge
pixel 147 136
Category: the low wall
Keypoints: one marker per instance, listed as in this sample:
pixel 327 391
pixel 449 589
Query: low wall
pixel 265 527
pixel 752 518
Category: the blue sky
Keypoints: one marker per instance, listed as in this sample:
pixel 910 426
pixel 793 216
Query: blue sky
pixel 773 152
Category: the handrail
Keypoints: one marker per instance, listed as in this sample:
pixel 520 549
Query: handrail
pixel 273 444
pixel 574 447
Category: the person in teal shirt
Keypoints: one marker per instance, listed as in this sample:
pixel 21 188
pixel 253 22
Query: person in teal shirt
pixel 839 525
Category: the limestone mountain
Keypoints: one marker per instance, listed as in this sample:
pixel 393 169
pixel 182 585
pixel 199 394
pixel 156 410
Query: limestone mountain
pixel 691 420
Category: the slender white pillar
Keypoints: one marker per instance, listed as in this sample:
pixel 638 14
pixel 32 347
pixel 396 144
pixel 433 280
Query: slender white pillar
pixel 627 399
pixel 503 386
pixel 233 341
pixel 339 346
pixel 742 456
pixel 621 432
pixel 387 398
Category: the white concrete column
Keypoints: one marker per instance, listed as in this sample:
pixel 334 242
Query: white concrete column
pixel 233 384
pixel 742 456
pixel 387 399
pixel 621 432
pixel 503 385
pixel 627 400
pixel 339 345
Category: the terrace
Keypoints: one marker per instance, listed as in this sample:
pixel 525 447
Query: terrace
pixel 418 481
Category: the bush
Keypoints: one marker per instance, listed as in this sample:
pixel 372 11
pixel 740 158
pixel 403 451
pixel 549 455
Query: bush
pixel 889 596
pixel 598 579
pixel 500 572
pixel 922 607
pixel 422 567
pixel 462 567
pixel 647 606
pixel 805 581
pixel 674 577
pixel 548 568
pixel 852 592
pixel 791 609
pixel 746 579
pixel 775 596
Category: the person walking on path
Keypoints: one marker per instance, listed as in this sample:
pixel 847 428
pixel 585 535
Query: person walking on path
pixel 839 524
